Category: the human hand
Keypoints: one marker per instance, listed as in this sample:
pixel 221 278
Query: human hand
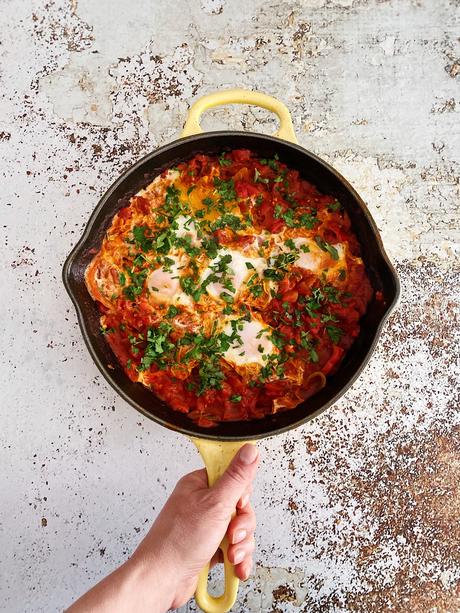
pixel 163 571
pixel 187 533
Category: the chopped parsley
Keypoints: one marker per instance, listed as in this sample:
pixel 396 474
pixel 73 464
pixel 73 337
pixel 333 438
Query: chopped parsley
pixel 335 206
pixel 227 220
pixel 256 290
pixel 223 161
pixel 332 294
pixel 172 312
pixel 164 239
pixel 235 398
pixel 208 202
pixel 273 163
pixel 292 220
pixel 190 287
pixel 335 333
pixel 225 189
pixel 325 246
pixel 211 375
pixel 306 343
pixel 328 317
pixel 210 246
pixel 226 297
pixel 307 220
pixel 284 260
pixel 136 286
pixel 158 344
pixel 143 242
pixel 314 302
pixel 273 366
pixel 172 203
pixel 258 177
pixel 271 273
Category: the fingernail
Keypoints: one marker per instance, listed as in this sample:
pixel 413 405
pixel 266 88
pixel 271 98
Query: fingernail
pixel 248 454
pixel 239 556
pixel 247 573
pixel 243 501
pixel 239 536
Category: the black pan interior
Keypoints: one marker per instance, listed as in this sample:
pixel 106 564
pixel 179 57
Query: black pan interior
pixel 328 181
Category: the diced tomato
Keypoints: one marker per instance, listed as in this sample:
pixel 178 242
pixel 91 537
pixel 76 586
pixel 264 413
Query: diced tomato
pixel 141 204
pixel 125 213
pixel 224 235
pixel 333 233
pixel 290 296
pixel 336 356
pixel 244 189
pixel 246 240
pixel 241 155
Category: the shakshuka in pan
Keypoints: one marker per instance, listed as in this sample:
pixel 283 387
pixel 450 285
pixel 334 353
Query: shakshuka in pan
pixel 230 287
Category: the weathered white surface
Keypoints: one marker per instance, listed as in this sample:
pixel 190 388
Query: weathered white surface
pixel 359 510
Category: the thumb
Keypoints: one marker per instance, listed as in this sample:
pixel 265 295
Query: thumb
pixel 238 476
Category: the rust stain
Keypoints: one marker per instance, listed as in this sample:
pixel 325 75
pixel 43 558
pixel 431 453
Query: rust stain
pixel 283 593
pixel 454 69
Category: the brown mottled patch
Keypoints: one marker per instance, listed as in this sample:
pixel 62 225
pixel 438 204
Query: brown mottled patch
pixel 446 106
pixel 284 593
pixel 310 444
pixel 415 498
pixel 454 69
pixel 25 257
pixel 55 21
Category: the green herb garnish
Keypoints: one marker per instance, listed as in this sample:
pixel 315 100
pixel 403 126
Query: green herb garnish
pixel 325 246
pixel 225 189
pixel 335 333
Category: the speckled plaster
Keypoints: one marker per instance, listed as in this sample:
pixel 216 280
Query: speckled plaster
pixel 358 510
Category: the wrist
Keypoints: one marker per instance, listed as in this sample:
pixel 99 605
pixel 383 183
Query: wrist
pixel 153 580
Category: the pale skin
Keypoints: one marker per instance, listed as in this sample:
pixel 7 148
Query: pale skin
pixel 163 571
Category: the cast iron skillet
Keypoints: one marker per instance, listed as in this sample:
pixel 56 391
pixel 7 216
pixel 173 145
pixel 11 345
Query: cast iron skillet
pixel 381 273
pixel 311 168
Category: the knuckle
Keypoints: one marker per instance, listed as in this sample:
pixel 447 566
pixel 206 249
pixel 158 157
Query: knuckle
pixel 237 474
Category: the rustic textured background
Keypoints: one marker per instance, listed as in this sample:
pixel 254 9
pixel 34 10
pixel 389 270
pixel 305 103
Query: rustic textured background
pixel 359 510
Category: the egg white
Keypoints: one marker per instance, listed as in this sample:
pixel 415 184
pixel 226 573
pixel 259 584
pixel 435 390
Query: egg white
pixel 238 273
pixel 164 285
pixel 252 343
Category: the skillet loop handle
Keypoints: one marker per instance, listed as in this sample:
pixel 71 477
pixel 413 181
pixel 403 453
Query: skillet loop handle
pixel 240 96
pixel 217 455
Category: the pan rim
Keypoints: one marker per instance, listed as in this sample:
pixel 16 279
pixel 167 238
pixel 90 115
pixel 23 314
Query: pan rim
pixel 67 267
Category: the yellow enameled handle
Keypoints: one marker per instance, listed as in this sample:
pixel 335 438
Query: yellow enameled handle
pixel 217 455
pixel 240 96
